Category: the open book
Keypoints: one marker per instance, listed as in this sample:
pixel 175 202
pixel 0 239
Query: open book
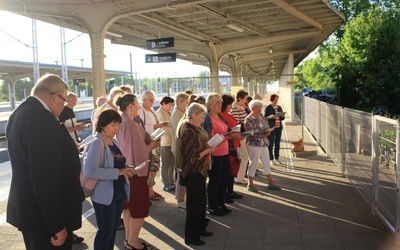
pixel 157 134
pixel 215 140
pixel 235 129
pixel 86 141
pixel 164 123
pixel 247 133
pixel 280 114
pixel 264 132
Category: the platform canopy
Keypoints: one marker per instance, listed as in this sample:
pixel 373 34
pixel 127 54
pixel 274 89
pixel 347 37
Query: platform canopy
pixel 16 70
pixel 248 36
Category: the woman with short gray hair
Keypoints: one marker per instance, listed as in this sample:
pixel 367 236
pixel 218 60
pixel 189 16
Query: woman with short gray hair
pixel 257 145
pixel 195 153
pixel 194 108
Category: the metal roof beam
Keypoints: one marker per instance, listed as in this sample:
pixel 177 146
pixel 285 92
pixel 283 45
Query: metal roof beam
pixel 212 10
pixel 175 27
pixel 287 7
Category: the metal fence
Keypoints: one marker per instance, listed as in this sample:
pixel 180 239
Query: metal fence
pixel 366 148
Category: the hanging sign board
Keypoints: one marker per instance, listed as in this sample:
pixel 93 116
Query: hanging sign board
pixel 160 58
pixel 77 81
pixel 160 43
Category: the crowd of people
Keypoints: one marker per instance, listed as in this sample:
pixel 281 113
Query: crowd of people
pixel 202 176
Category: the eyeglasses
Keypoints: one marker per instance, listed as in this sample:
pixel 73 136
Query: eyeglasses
pixel 65 100
pixel 152 100
pixel 62 98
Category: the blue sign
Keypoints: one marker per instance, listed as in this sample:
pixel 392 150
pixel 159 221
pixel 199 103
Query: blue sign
pixel 160 43
pixel 159 58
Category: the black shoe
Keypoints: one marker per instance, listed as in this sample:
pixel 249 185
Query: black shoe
pixel 228 200
pixel 217 212
pixel 194 242
pixel 121 226
pixel 77 239
pixel 206 233
pixel 226 210
pixel 206 221
pixel 235 195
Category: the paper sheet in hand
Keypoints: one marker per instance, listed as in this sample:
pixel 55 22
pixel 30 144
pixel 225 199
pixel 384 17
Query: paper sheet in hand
pixel 87 141
pixel 157 134
pixel 215 140
pixel 140 166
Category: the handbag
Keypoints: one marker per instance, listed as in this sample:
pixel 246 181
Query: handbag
pixel 87 184
pixel 297 146
pixel 182 181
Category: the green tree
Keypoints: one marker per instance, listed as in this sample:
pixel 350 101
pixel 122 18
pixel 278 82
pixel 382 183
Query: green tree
pixel 22 87
pixel 369 65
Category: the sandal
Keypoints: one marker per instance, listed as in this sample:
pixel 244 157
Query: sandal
pixel 129 247
pixel 272 187
pixel 148 246
pixel 154 197
pixel 252 189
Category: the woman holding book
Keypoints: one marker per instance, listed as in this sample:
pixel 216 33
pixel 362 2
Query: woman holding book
pixel 227 102
pixel 214 124
pixel 105 163
pixel 195 155
pixel 257 145
pixel 275 115
pixel 167 158
pixel 131 137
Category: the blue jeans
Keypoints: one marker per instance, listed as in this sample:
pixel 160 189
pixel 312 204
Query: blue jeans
pixel 108 219
pixel 275 143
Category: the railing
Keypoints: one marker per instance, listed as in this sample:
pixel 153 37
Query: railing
pixel 366 148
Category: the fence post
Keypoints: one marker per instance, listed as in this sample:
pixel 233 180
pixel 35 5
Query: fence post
pixel 343 139
pixel 318 122
pixel 397 219
pixel 375 163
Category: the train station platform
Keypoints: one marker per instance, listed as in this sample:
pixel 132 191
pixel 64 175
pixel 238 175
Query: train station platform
pixel 317 208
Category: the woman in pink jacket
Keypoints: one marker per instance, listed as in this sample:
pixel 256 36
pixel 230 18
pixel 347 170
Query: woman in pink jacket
pixel 131 137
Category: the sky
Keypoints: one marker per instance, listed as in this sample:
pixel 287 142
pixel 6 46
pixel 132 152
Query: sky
pixel 16 45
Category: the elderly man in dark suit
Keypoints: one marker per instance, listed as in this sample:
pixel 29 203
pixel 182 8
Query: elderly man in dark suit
pixel 45 201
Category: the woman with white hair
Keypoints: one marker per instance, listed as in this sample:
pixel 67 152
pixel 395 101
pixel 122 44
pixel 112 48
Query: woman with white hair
pixel 195 155
pixel 214 123
pixel 257 145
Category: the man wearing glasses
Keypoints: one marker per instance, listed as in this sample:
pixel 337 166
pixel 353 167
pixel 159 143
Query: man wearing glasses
pixel 151 123
pixel 45 200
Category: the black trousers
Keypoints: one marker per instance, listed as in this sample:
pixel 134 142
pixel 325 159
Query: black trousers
pixel 218 181
pixel 195 206
pixel 41 241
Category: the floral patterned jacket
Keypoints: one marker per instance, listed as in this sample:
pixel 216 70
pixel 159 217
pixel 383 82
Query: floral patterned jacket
pixel 257 125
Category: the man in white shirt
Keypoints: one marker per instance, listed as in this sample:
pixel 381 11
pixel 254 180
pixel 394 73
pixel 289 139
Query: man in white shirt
pixel 151 123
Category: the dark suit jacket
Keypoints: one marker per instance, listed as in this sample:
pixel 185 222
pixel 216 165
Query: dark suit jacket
pixel 45 194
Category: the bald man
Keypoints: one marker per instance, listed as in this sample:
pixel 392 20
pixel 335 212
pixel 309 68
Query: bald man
pixel 68 117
